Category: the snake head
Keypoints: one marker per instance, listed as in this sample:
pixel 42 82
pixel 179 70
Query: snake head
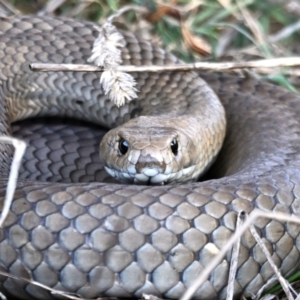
pixel 158 154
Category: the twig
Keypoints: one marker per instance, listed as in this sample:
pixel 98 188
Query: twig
pixel 234 259
pixel 78 8
pixel 20 147
pixel 262 63
pixel 127 8
pixel 284 33
pixel 284 283
pixel 9 7
pixel 269 297
pixel 253 25
pixel 290 72
pixel 218 258
pixel 2 296
pixel 150 297
pixel 53 291
pixel 51 6
pixel 225 40
pixel 265 286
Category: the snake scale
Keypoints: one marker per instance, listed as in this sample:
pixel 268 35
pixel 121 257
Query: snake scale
pixel 107 239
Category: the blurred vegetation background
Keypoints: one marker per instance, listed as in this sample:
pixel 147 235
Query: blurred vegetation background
pixel 194 30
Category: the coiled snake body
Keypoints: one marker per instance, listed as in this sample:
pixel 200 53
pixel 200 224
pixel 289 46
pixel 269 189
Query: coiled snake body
pixel 121 240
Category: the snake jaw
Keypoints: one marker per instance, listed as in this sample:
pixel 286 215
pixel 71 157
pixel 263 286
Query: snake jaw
pixel 159 179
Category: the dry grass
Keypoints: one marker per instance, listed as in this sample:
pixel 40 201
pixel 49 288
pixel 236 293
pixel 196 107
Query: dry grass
pixel 205 30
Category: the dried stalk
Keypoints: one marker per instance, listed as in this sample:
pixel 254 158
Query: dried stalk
pixel 218 258
pixel 20 147
pixel 223 66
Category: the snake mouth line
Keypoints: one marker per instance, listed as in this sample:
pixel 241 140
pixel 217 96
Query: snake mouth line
pixel 142 178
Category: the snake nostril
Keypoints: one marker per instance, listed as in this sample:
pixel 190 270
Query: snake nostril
pixel 174 147
pixel 123 146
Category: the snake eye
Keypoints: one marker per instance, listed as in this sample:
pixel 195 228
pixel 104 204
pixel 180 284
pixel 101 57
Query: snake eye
pixel 174 147
pixel 123 146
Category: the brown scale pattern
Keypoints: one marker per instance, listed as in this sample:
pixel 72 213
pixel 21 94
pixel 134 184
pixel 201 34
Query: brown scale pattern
pixel 98 239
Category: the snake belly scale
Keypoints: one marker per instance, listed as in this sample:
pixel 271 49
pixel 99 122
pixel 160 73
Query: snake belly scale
pixel 96 239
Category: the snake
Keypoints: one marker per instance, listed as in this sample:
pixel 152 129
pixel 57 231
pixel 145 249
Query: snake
pixel 73 229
